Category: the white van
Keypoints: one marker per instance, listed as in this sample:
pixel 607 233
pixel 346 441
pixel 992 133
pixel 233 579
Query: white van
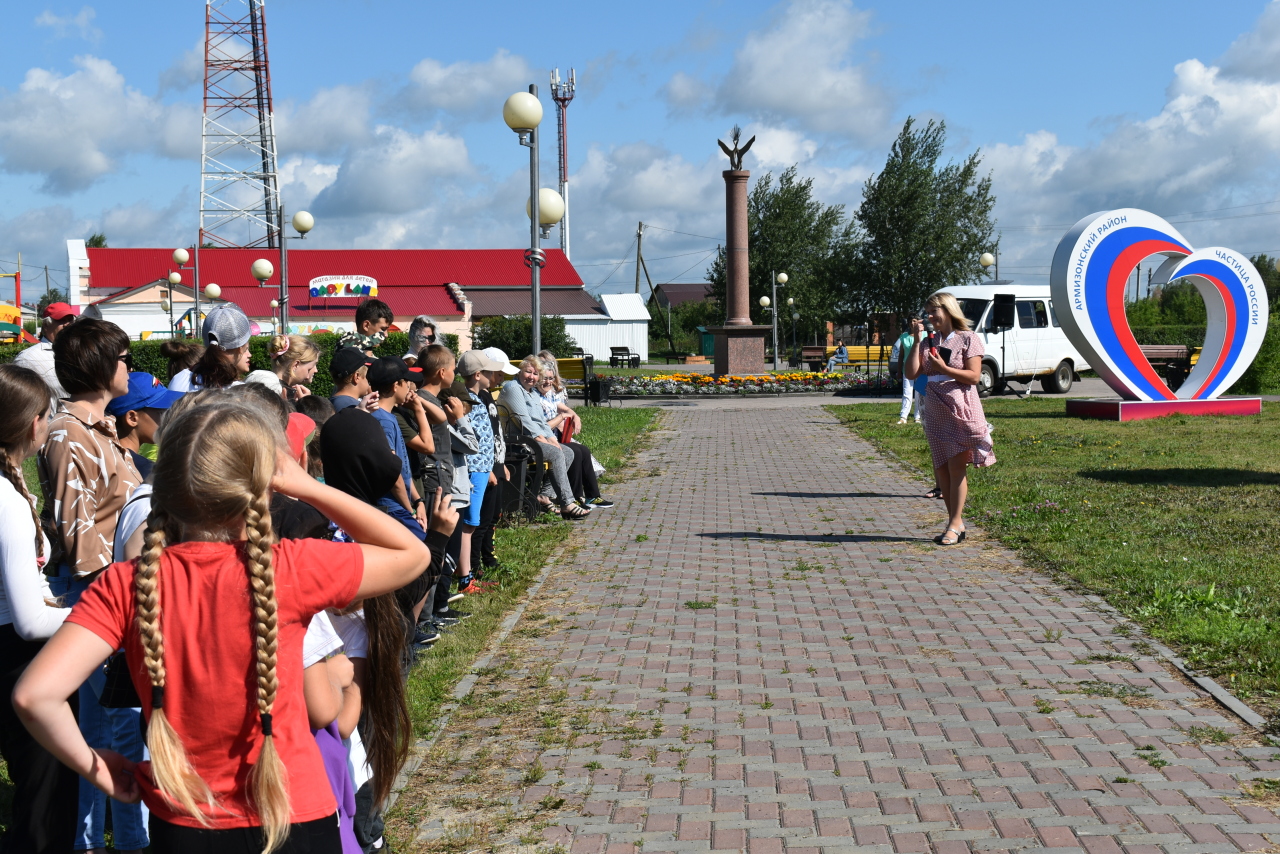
pixel 1036 345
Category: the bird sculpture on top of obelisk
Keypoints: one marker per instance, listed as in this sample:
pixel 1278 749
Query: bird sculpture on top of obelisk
pixel 739 345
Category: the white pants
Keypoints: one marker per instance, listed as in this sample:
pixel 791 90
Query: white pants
pixel 909 395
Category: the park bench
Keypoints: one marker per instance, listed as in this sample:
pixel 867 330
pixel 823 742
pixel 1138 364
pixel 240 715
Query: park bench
pixel 1171 361
pixel 622 357
pixel 859 357
pixel 583 370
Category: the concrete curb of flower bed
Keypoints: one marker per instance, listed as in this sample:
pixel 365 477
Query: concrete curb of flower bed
pixel 745 394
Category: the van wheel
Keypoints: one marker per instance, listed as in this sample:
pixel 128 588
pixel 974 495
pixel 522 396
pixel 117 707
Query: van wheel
pixel 988 382
pixel 1058 382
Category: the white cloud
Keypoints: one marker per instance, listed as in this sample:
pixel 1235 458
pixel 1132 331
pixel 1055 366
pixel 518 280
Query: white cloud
pixel 799 69
pixel 686 94
pixel 80 24
pixel 778 148
pixel 73 129
pixel 472 90
pixel 303 178
pixel 395 173
pixel 185 71
pixel 1214 144
pixel 329 123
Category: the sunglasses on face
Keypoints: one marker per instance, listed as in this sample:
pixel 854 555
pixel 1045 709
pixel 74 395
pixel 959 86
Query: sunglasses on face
pixel 127 358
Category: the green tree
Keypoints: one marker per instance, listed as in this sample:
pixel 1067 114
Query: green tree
pixel 51 296
pixel 792 232
pixel 514 335
pixel 1182 305
pixel 925 225
pixel 97 240
pixel 1267 269
pixel 685 320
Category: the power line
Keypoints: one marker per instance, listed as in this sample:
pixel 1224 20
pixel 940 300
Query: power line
pixel 624 260
pixel 690 267
pixel 685 233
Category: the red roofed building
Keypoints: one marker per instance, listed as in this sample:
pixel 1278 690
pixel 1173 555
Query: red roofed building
pixel 453 286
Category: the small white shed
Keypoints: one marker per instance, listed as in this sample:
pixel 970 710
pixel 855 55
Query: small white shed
pixel 625 324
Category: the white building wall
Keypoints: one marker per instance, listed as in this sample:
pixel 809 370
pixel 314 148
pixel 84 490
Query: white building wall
pixel 595 335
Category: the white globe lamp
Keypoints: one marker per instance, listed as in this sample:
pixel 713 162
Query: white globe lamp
pixel 262 269
pixel 764 302
pixel 303 222
pixel 986 260
pixel 181 256
pixel 550 207
pixel 212 291
pixel 175 278
pixel 782 278
pixel 522 112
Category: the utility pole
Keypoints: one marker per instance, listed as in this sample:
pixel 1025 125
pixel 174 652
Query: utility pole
pixel 639 260
pixel 46 280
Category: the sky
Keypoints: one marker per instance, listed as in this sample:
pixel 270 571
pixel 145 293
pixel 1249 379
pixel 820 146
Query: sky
pixel 389 129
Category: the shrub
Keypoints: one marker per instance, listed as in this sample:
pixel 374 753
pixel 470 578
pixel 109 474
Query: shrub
pixel 513 335
pixel 1263 376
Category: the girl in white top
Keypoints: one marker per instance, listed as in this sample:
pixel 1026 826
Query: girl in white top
pixel 45 791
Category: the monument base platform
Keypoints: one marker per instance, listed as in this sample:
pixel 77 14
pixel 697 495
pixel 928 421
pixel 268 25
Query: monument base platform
pixel 1137 410
pixel 739 349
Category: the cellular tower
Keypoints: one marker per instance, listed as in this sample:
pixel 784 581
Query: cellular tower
pixel 562 94
pixel 239 188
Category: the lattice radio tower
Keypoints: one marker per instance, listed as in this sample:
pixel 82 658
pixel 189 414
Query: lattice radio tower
pixel 562 94
pixel 239 189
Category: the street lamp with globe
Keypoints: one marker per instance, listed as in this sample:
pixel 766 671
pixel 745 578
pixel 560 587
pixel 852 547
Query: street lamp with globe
pixel 303 222
pixel 988 260
pixel 523 113
pixel 777 279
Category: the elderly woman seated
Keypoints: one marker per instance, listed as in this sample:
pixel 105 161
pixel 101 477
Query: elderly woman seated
pixel 520 397
pixel 561 418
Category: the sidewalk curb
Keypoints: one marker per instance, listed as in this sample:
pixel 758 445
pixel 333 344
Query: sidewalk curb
pixel 418 752
pixel 1215 690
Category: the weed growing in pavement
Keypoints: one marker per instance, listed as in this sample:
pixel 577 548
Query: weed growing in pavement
pixel 698 605
pixel 1152 757
pixel 1208 735
pixel 1044 707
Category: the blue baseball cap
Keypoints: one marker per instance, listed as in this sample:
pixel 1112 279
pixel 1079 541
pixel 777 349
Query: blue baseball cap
pixel 145 392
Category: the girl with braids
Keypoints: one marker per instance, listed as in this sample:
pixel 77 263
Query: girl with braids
pixel 44 797
pixel 293 365
pixel 212 618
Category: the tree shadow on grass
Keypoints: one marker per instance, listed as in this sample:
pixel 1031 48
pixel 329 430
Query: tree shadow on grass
pixel 811 538
pixel 1212 477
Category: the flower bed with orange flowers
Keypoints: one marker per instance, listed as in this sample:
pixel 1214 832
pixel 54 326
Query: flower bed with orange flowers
pixel 781 383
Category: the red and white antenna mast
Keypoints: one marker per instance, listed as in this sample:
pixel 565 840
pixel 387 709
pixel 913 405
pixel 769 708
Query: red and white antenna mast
pixel 239 187
pixel 562 94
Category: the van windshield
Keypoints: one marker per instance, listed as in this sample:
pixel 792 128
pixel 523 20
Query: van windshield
pixel 973 309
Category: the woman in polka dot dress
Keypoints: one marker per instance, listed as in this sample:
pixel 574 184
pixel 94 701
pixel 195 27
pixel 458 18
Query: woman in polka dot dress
pixel 954 422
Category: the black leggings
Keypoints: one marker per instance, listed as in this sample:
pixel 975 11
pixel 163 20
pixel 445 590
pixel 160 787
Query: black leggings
pixel 482 553
pixel 45 791
pixel 582 474
pixel 307 837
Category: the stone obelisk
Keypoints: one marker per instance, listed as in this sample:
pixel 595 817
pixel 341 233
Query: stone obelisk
pixel 739 345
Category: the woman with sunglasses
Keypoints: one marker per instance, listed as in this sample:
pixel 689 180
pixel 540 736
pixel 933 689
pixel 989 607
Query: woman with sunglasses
pixel 87 477
pixel 422 334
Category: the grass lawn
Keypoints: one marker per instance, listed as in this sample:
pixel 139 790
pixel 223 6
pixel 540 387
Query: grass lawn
pixel 1174 521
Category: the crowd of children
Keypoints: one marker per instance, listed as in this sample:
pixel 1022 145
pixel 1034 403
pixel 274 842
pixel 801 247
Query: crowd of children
pixel 213 618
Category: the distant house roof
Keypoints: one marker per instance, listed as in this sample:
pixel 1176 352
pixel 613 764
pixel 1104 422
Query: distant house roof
pixel 625 306
pixel 681 292
pixel 411 281
pixel 494 302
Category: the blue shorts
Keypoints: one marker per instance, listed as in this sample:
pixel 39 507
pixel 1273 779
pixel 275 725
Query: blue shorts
pixel 396 511
pixel 479 482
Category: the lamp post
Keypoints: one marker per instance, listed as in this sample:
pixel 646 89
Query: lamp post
pixel 275 304
pixel 989 259
pixel 181 257
pixel 263 270
pixel 302 223
pixel 765 302
pixel 778 279
pixel 166 304
pixel 523 113
pixel 795 315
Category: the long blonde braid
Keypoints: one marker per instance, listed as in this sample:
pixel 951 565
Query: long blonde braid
pixel 172 770
pixel 13 473
pixel 268 782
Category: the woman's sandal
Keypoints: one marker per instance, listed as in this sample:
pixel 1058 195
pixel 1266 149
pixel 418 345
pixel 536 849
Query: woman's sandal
pixel 941 539
pixel 573 511
pixel 933 493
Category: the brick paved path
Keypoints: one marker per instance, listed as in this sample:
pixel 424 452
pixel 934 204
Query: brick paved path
pixel 854 688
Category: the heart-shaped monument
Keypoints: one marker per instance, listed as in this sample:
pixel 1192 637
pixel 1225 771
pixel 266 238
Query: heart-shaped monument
pixel 1091 270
